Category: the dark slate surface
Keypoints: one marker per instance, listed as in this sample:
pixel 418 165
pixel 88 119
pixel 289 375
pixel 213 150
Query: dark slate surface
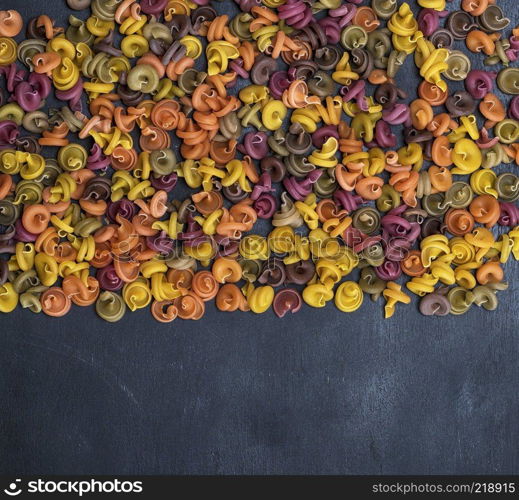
pixel 318 392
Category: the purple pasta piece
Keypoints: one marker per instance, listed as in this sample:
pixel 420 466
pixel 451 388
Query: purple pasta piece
pixel 255 145
pixel 97 160
pixel 287 300
pixel 109 279
pixel 292 73
pixel 22 234
pixel 356 90
pixel 264 185
pixel 226 246
pixel 479 83
pixel 514 43
pixel 29 94
pixel 124 208
pixel 414 233
pixel 398 233
pixel 237 67
pixel 513 52
pixel 396 115
pixel 279 81
pixel 300 189
pixel 345 13
pixel 165 182
pixel 394 225
pixel 106 45
pixel 273 273
pixel 366 242
pixel 509 214
pixel 460 103
pixel 513 108
pixel 231 83
pixel 484 142
pixel 27 97
pixel 353 237
pixel 331 29
pixel 300 272
pixel 296 13
pixel 193 235
pixel 275 168
pixel 321 135
pixel 397 248
pixel 348 201
pixel 265 206
pixel 41 83
pixel 9 132
pixel 384 136
pixel 428 21
pixel 398 211
pixel 389 270
pixel 13 76
pixel 161 243
pixel 245 5
pixel 72 96
pixel 155 7
pixel 435 304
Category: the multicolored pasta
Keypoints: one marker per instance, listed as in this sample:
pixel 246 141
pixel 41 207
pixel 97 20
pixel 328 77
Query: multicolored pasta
pixel 266 116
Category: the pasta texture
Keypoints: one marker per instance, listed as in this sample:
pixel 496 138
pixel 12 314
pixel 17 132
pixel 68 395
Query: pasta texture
pixel 286 115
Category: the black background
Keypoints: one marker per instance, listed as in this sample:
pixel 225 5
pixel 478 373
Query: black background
pixel 317 392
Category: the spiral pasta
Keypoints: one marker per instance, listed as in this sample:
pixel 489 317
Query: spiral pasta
pixel 311 143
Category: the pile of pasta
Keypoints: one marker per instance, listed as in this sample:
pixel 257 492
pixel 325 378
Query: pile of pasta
pixel 263 160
